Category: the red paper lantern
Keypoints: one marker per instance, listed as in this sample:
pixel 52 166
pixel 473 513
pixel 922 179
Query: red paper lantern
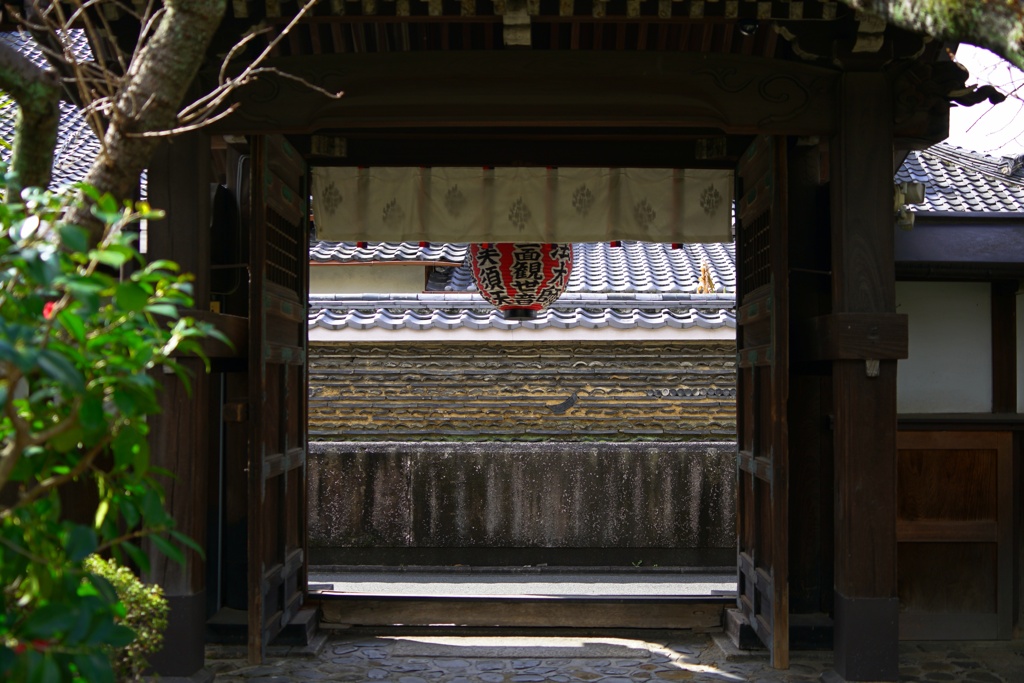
pixel 521 279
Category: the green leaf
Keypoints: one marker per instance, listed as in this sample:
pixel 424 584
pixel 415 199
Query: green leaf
pixel 73 237
pixel 130 449
pixel 125 402
pixel 94 668
pixel 73 324
pixel 130 296
pixel 162 264
pixel 120 636
pixel 91 415
pixel 47 621
pixel 163 309
pixel 169 549
pixel 130 513
pixel 60 368
pixel 88 190
pixel 186 541
pixel 103 588
pixel 67 441
pixel 138 557
pixel 46 670
pixel 81 543
pixel 107 257
pixel 102 509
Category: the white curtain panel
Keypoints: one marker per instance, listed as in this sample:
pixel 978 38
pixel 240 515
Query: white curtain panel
pixel 388 204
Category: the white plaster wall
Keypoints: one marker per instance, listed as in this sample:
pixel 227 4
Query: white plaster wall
pixel 366 279
pixel 949 369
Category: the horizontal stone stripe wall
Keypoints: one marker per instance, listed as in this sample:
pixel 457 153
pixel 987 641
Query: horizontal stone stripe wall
pixel 499 495
pixel 600 391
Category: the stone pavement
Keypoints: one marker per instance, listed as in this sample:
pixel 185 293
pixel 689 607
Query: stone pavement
pixel 436 656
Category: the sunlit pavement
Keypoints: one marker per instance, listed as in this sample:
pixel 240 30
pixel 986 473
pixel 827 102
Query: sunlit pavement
pixel 496 657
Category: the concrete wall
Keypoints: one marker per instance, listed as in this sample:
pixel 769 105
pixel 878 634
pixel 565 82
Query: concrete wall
pixel 516 504
pixel 523 391
pixel 949 368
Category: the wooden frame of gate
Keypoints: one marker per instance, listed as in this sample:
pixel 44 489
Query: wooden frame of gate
pixel 580 107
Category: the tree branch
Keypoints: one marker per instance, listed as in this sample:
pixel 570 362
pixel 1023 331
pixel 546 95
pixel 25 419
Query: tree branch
pixel 159 74
pixel 37 92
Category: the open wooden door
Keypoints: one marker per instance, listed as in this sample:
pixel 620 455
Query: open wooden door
pixel 762 339
pixel 278 293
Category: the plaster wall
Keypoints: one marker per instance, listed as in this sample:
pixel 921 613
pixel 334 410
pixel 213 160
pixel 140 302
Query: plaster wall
pixel 949 368
pixel 361 279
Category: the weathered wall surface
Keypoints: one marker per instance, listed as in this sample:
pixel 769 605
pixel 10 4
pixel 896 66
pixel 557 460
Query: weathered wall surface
pixel 594 391
pixel 504 503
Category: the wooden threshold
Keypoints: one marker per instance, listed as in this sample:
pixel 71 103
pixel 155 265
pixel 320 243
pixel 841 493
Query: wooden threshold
pixel 659 612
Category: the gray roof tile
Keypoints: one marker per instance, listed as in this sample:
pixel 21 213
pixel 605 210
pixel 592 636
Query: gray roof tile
pixel 957 179
pixel 637 285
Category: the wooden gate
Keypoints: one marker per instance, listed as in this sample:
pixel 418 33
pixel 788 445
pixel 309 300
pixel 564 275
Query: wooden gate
pixel 762 337
pixel 278 255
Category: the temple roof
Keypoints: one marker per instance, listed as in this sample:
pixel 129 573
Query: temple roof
pixel 960 180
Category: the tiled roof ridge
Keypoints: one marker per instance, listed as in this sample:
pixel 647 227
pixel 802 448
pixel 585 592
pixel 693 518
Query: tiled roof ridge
pixel 1004 168
pixel 569 300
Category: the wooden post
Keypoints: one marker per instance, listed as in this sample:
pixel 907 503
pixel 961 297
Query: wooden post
pixel 182 435
pixel 866 603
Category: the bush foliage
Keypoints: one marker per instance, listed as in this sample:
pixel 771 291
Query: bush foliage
pixel 82 327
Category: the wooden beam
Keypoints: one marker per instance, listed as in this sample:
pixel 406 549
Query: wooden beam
pixel 734 94
pixel 854 336
pixel 1004 346
pixel 863 282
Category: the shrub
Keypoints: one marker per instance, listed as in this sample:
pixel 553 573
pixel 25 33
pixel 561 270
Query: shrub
pixel 145 613
pixel 78 344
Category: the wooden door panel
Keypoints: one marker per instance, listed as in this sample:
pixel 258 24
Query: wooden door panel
pixel 763 360
pixel 277 380
pixel 954 529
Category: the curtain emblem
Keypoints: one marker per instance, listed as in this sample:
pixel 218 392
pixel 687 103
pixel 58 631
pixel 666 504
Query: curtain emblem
pixel 582 200
pixel 710 200
pixel 454 201
pixel 331 198
pixel 519 214
pixel 644 214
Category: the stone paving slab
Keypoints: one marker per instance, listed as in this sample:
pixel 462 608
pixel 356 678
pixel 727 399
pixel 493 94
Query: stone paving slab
pixel 656 657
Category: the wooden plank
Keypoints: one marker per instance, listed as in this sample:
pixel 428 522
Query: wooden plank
pixel 700 615
pixel 760 467
pixel 256 533
pixel 755 307
pixel 755 356
pixel 282 303
pixel 284 354
pixel 855 336
pixel 930 530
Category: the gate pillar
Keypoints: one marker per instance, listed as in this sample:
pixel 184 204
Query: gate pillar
pixel 865 340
